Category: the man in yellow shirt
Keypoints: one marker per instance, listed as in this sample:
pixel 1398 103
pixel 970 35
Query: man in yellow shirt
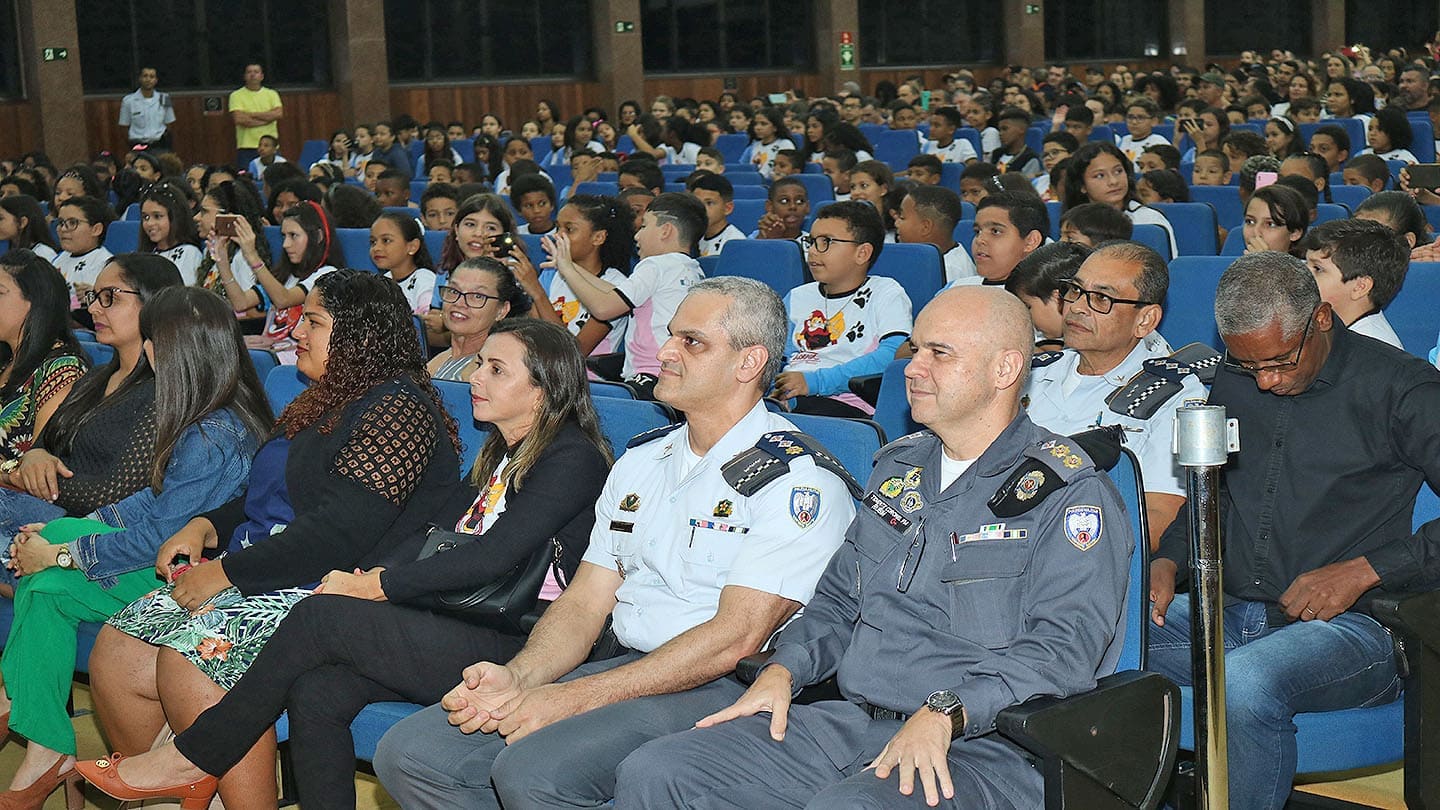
pixel 254 108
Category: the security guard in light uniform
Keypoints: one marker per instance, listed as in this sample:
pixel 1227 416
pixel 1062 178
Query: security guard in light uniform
pixel 963 587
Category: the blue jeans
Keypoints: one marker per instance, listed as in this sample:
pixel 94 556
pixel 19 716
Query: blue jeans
pixel 1273 673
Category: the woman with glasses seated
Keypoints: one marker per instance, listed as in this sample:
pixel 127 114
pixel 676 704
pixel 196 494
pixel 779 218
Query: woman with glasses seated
pixel 478 293
pixel 166 429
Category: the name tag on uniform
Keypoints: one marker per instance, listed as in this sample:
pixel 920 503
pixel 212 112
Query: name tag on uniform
pixel 718 526
pixel 887 513
pixel 621 526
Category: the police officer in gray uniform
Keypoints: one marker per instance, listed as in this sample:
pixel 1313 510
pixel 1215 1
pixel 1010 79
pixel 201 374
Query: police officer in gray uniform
pixel 988 565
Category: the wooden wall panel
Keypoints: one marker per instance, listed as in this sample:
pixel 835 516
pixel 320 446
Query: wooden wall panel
pixel 202 138
pixel 18 131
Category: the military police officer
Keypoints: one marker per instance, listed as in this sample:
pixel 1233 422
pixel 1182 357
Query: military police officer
pixel 1116 370
pixel 988 565
pixel 708 537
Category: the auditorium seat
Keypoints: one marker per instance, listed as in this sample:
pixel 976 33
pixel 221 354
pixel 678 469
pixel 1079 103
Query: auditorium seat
pixel 777 263
pixel 355 242
pixel 1190 302
pixel 918 268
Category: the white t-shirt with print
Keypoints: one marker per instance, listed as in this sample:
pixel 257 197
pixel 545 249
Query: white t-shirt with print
pixel 829 330
pixel 187 259
pixel 710 245
pixel 575 315
pixel 1133 148
pixel 419 289
pixel 82 269
pixel 960 150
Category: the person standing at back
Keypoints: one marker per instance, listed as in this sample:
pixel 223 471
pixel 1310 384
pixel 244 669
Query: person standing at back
pixel 254 108
pixel 147 113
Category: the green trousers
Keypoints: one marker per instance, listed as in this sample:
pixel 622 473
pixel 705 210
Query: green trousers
pixel 39 659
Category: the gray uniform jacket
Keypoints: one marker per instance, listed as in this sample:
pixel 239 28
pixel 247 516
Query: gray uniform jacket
pixel 931 590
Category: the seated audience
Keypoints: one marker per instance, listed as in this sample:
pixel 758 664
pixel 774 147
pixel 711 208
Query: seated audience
pixel 81 223
pixel 1275 219
pixel 1100 172
pixel 397 249
pixel 718 195
pixel 594 235
pixel 785 211
pixel 1092 224
pixel 22 224
pixel 1037 281
pixel 1359 265
pixel 466 306
pixel 928 216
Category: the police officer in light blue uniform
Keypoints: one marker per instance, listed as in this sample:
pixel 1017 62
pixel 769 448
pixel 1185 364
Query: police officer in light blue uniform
pixel 707 538
pixel 1117 370
pixel 988 565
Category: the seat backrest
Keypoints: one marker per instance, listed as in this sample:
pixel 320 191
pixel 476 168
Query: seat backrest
pixel 895 147
pixel 456 396
pixel 817 186
pixel 540 145
pixel 1195 227
pixel 747 213
pixel 1325 212
pixel 1102 132
pixel 311 151
pixel 964 233
pixel 1354 127
pixel 1423 144
pixel 1427 507
pixel 918 268
pixel 1412 313
pixel 123 236
pixel 1153 237
pixel 777 263
pixel 99 353
pixel 1190 302
pixel 533 248
pixel 356 244
pixel 264 361
pixel 750 192
pixel 1226 202
pixel 708 264
pixel 853 442
pixel 740 178
pixel 417 189
pixel 275 240
pixel 892 407
pixel 465 148
pixel 132 212
pixel 594 187
pixel 1127 478
pixel 731 145
pixel 435 243
pixel 601 388
pixel 1234 243
pixel 282 385
pixel 1054 209
pixel 1349 196
pixel 972 135
pixel 950 175
pixel 623 419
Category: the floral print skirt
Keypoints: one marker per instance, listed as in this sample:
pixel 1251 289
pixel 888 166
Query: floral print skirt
pixel 221 638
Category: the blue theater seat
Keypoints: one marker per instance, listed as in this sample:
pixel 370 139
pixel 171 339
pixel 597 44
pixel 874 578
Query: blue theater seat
pixel 918 268
pixel 777 263
pixel 1190 303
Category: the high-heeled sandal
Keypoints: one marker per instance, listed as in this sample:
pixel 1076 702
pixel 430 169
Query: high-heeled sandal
pixel 34 796
pixel 105 775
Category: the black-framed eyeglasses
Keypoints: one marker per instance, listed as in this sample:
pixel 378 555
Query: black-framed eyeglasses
pixel 1255 369
pixel 823 243
pixel 105 295
pixel 1070 292
pixel 69 224
pixel 450 295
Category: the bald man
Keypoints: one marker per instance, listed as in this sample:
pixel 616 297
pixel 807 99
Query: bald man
pixel 937 612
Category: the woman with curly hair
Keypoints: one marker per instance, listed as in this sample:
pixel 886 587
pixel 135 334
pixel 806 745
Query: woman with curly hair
pixel 532 491
pixel 359 464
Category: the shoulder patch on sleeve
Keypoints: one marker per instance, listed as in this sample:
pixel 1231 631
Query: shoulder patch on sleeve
pixel 753 469
pixel 1162 379
pixel 1049 465
pixel 1043 359
pixel 650 435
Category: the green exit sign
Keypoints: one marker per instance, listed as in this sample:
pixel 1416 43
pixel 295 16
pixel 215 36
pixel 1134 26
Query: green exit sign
pixel 624 27
pixel 1032 8
pixel 54 54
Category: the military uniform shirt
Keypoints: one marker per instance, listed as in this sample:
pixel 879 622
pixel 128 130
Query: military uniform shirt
pixel 678 537
pixel 1066 401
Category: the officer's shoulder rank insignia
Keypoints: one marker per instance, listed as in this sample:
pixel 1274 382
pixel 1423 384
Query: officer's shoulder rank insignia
pixel 630 503
pixel 1072 462
pixel 724 508
pixel 804 506
pixel 891 487
pixel 1059 450
pixel 1083 525
pixel 1029 484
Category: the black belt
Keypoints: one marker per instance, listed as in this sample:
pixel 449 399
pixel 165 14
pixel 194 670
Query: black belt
pixel 877 713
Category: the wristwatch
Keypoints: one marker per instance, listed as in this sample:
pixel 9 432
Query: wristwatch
pixel 948 703
pixel 63 558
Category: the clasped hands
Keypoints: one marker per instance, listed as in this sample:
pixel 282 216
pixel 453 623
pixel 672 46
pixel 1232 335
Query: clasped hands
pixel 491 699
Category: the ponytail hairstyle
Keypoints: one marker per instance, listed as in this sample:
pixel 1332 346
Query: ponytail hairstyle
pixel 321 247
pixel 411 230
pixel 615 218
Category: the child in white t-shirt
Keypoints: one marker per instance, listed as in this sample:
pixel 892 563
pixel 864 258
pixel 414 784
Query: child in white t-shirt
pixel 596 236
pixel 1141 116
pixel 397 248
pixel 718 195
pixel 846 323
pixel 943 144
pixel 767 131
pixel 81 223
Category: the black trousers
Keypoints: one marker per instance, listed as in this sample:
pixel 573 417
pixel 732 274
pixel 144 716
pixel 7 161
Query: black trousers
pixel 331 657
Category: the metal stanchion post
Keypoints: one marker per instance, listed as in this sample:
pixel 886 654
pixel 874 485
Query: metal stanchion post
pixel 1203 440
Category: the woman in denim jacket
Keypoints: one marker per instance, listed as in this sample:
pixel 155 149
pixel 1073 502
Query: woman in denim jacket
pixel 209 412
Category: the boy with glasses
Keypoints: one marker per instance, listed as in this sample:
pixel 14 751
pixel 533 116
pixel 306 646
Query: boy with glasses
pixel 81 224
pixel 846 323
pixel 1141 116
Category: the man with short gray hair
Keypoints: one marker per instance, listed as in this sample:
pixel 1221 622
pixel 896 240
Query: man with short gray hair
pixel 708 537
pixel 1337 434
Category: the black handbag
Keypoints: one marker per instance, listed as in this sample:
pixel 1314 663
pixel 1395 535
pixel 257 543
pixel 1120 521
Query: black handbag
pixel 502 602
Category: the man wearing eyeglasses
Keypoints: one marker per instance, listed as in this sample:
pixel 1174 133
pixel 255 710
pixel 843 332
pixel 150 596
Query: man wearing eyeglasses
pixel 987 565
pixel 1111 309
pixel 1337 434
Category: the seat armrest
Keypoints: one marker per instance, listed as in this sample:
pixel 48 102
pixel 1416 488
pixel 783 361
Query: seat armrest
pixel 1111 747
pixel 1414 615
pixel 866 387
pixel 747 669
